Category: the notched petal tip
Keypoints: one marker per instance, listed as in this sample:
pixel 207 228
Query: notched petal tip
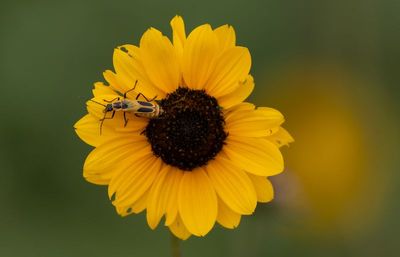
pixel 281 137
pixel 148 35
pixel 178 33
pixel 226 217
pixel 177 22
pixel 101 89
pixel 226 36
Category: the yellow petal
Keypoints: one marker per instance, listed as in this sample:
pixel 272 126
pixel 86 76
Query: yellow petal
pixel 135 125
pixel 134 180
pixel 156 205
pixel 226 217
pixel 232 185
pixel 226 37
pixel 239 107
pixel 172 202
pixel 129 69
pixel 197 202
pixel 179 40
pixel 113 82
pixel 123 211
pixel 178 30
pixel 103 163
pixel 141 203
pixel 178 33
pixel 136 207
pixel 163 197
pixel 132 50
pixel 125 69
pixel 232 66
pixel 101 89
pixel 88 129
pixel 281 137
pixel 114 87
pixel 235 113
pixel 253 123
pixel 199 54
pixel 264 189
pixel 160 60
pixel 144 86
pixel 270 112
pixel 238 95
pixel 255 155
pixel 178 229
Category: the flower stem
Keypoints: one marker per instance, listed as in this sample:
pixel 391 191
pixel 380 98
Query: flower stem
pixel 175 246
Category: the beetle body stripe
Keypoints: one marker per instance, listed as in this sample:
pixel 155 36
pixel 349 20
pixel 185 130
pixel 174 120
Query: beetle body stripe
pixel 140 108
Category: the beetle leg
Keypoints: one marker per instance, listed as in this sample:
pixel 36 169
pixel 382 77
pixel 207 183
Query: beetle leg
pixel 110 101
pixel 105 118
pixel 140 94
pixel 125 120
pixel 131 89
pixel 152 99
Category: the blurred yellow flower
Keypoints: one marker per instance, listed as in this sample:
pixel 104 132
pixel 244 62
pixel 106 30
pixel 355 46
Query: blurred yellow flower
pixel 207 156
pixel 331 180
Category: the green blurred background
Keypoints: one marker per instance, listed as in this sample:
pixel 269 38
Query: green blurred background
pixel 332 67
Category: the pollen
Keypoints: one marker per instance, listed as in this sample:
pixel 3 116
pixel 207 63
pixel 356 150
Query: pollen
pixel 190 132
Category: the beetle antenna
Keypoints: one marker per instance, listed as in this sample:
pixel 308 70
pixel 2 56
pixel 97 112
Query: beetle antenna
pixel 97 102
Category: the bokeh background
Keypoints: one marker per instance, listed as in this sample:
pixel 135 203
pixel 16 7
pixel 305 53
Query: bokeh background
pixel 332 67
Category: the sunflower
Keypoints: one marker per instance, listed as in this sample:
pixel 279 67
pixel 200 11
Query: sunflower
pixel 207 156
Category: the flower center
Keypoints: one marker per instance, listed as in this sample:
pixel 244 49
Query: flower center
pixel 190 131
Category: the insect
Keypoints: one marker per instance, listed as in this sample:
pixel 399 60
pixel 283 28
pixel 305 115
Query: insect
pixel 149 108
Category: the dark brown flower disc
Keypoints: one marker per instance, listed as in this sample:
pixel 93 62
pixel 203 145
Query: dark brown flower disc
pixel 189 132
